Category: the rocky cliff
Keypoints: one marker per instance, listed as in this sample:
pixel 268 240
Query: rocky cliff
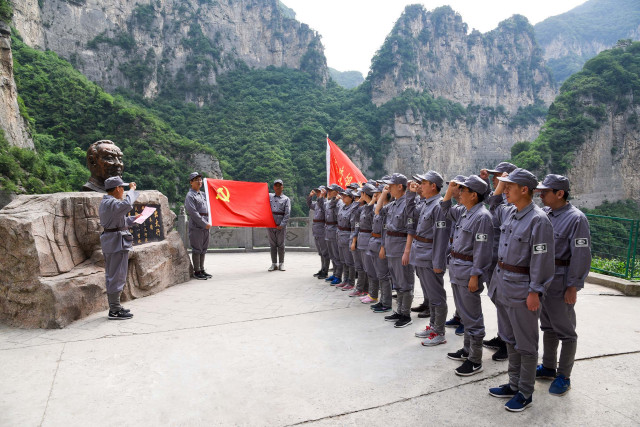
pixel 11 122
pixel 169 45
pixel 475 94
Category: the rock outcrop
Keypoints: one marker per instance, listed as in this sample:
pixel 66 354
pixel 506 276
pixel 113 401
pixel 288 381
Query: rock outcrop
pixel 53 267
pixel 172 45
pixel 11 122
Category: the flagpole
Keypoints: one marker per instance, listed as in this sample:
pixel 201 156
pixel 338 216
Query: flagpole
pixel 206 194
pixel 328 161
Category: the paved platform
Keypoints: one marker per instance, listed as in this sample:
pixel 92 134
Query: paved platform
pixel 283 348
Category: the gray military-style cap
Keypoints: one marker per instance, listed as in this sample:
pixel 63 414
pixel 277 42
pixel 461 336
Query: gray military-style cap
pixel 417 178
pixel 320 188
pixel 334 187
pixel 521 177
pixel 113 182
pixel 459 179
pixel 503 167
pixel 278 181
pixel 353 186
pixel 396 178
pixel 193 175
pixel 379 189
pixel 368 189
pixel 433 177
pixel 475 183
pixel 554 182
pixel 383 179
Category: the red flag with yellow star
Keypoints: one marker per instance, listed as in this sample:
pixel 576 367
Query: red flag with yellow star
pixel 340 169
pixel 238 203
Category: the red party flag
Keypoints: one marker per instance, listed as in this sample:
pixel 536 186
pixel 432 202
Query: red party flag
pixel 238 203
pixel 340 169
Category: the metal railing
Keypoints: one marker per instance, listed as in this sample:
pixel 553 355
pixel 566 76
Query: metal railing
pixel 614 246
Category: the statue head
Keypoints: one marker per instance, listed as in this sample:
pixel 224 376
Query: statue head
pixel 104 160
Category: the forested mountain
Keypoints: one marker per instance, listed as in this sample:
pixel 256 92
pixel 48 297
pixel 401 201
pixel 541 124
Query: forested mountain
pixel 346 79
pixel 592 132
pixel 570 39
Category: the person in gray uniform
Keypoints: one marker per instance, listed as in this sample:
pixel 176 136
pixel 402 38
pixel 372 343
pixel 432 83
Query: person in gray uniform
pixel 469 266
pixel 397 248
pixel 330 232
pixel 362 286
pixel 376 242
pixel 495 343
pixel 195 205
pixel 573 261
pixel 370 285
pixel 281 210
pixel 116 241
pixel 317 229
pixel 455 321
pixel 424 308
pixel 429 251
pixel 346 215
pixel 526 266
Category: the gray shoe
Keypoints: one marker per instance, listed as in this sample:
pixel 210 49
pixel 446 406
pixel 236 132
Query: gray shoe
pixel 273 267
pixel 281 266
pixel 424 333
pixel 434 339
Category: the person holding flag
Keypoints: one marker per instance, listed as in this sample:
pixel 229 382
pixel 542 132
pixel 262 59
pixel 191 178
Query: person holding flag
pixel 195 205
pixel 281 210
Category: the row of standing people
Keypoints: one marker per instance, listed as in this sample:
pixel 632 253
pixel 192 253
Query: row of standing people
pixel 532 261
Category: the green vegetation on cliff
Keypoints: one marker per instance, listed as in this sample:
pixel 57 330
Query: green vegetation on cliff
pixel 6 12
pixel 346 79
pixel 608 85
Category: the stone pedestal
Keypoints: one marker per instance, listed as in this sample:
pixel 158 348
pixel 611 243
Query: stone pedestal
pixel 52 267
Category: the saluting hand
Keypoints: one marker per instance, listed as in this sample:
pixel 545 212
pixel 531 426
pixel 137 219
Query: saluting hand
pixel 484 174
pixel 132 186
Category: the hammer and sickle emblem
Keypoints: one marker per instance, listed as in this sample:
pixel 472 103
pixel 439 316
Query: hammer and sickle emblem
pixel 223 194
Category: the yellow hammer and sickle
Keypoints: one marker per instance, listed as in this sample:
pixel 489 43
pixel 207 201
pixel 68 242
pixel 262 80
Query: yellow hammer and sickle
pixel 223 194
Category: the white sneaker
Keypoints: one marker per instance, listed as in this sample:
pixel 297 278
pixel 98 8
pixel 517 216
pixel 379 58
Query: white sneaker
pixel 434 339
pixel 273 267
pixel 281 266
pixel 424 333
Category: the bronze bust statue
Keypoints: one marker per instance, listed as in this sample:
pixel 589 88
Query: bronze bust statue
pixel 104 160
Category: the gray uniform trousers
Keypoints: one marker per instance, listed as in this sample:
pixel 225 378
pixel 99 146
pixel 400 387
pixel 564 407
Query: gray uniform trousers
pixel 276 242
pixel 558 323
pixel 334 255
pixel 370 270
pixel 381 268
pixel 323 251
pixel 358 258
pixel 518 326
pixel 346 256
pixel 115 268
pixel 435 295
pixel 403 278
pixel 469 306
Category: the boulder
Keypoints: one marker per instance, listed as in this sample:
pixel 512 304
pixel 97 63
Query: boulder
pixel 53 267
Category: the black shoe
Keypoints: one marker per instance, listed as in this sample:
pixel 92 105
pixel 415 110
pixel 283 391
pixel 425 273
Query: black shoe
pixel 318 273
pixel 420 308
pixel 493 343
pixel 322 276
pixel 403 321
pixel 424 314
pixel 460 355
pixel 501 354
pixel 382 309
pixel 198 275
pixel 207 275
pixel 375 306
pixel 392 318
pixel 468 368
pixel 126 310
pixel 119 315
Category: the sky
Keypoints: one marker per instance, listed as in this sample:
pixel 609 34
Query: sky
pixel 353 30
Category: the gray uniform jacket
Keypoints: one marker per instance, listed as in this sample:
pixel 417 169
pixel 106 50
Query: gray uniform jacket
pixel 377 226
pixel 346 221
pixel 473 236
pixel 572 245
pixel 281 208
pixel 493 202
pixel 398 221
pixel 526 240
pixel 112 215
pixel 195 205
pixel 317 207
pixel 331 219
pixel 363 227
pixel 430 223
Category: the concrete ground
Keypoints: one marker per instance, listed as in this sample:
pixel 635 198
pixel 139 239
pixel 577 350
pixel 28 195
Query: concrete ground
pixel 250 347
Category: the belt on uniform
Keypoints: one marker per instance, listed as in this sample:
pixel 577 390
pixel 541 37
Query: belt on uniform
pixel 278 213
pixel 344 228
pixel 376 235
pixel 513 268
pixel 396 234
pixel 113 230
pixel 423 239
pixel 463 257
pixel 318 220
pixel 563 262
pixel 450 240
pixel 331 223
pixel 365 231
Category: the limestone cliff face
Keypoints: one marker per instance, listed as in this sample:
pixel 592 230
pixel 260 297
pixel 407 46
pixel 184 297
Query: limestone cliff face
pixel 606 165
pixel 492 78
pixel 431 51
pixel 169 44
pixel 11 122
